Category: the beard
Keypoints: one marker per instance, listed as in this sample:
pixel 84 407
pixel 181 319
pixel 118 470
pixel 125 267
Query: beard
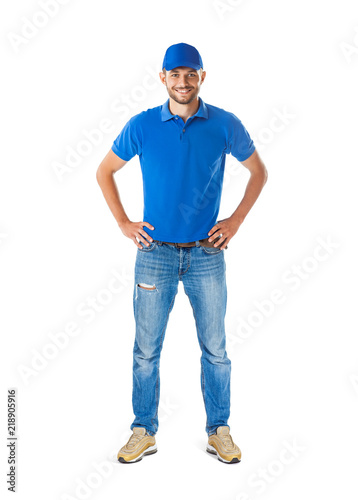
pixel 183 99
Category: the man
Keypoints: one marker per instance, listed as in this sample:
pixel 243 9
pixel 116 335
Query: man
pixel 182 146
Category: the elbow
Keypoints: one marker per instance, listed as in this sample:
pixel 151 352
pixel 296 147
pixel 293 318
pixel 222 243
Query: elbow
pixel 98 176
pixel 265 175
pixel 103 176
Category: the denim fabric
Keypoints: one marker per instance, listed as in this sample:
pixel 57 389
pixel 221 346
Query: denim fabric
pixel 202 271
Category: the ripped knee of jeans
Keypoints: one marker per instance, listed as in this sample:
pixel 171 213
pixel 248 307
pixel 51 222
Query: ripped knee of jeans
pixel 146 287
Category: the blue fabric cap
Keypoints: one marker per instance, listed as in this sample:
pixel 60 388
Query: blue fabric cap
pixel 182 54
pixel 182 166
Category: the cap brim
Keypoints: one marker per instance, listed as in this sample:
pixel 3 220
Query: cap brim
pixel 177 64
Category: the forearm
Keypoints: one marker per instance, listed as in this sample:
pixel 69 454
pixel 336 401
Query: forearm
pixel 253 189
pixel 111 195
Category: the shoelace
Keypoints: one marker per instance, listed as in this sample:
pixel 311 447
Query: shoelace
pixel 227 440
pixel 134 439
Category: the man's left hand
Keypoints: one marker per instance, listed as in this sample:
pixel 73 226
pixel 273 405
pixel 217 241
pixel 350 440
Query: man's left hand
pixel 226 229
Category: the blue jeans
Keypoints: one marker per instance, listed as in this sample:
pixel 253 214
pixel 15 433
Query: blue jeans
pixel 202 271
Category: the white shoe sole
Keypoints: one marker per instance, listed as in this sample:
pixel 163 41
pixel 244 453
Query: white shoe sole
pixel 210 449
pixel 147 451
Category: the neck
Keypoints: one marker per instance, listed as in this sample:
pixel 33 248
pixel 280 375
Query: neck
pixel 185 111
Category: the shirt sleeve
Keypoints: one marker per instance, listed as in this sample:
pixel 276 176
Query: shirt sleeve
pixel 128 143
pixel 241 146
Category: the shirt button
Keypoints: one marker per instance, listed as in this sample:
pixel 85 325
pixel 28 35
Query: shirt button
pixel 183 129
pixel 176 117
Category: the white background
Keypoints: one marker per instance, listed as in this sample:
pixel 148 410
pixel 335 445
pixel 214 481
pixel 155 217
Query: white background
pixel 295 375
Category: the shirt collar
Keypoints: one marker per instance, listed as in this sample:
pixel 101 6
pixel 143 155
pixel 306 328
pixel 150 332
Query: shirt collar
pixel 167 115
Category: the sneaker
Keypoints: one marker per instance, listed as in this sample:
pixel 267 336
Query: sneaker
pixel 222 445
pixel 139 444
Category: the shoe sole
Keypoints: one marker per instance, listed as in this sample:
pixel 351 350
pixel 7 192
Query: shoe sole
pixel 148 451
pixel 210 449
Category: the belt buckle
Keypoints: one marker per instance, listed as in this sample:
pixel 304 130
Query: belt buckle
pixel 184 245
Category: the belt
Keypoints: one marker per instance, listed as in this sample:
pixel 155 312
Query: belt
pixel 204 243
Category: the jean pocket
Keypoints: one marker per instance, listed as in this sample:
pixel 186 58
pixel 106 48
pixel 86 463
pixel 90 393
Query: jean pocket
pixel 148 248
pixel 211 250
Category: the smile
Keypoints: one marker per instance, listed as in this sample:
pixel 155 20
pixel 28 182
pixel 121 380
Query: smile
pixel 183 92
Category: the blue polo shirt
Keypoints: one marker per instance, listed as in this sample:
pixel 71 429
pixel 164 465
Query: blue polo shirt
pixel 182 166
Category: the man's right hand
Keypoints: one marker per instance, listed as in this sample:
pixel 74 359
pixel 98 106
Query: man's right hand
pixel 134 230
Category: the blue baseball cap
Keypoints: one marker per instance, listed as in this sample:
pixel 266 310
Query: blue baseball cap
pixel 182 54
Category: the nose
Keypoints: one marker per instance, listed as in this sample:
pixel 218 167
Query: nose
pixel 182 81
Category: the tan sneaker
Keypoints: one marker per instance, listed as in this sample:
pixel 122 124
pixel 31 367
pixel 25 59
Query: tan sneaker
pixel 139 444
pixel 222 445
